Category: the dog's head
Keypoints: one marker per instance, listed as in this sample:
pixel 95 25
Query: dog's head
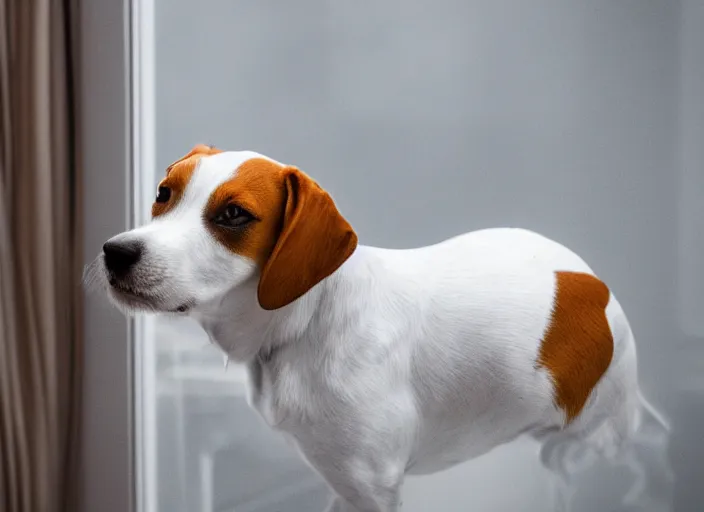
pixel 221 219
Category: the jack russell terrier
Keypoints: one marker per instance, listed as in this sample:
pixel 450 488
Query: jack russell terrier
pixel 380 363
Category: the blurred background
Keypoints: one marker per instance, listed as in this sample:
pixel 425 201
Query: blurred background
pixel 583 120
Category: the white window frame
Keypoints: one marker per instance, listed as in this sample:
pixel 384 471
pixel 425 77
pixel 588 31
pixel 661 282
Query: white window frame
pixel 143 105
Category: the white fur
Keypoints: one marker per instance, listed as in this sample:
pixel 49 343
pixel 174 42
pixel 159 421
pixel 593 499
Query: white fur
pixel 402 361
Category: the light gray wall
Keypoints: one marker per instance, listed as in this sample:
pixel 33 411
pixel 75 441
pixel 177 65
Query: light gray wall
pixel 687 399
pixel 581 120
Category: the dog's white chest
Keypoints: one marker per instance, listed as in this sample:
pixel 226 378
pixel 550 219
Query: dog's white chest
pixel 279 397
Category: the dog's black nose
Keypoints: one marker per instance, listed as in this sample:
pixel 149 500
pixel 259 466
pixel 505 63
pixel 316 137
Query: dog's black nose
pixel 121 256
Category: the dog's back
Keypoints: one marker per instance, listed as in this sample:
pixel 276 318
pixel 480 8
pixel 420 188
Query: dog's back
pixel 514 334
pixel 520 337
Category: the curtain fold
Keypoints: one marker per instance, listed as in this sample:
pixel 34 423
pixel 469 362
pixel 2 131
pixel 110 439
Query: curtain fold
pixel 40 257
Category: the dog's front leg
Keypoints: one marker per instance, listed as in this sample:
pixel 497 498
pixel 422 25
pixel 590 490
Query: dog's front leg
pixel 365 498
pixel 362 484
pixel 339 504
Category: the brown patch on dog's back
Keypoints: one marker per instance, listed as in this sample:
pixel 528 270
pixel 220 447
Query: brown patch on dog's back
pixel 257 186
pixel 578 345
pixel 178 175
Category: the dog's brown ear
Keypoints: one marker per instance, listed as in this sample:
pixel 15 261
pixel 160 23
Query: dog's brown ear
pixel 314 241
pixel 198 149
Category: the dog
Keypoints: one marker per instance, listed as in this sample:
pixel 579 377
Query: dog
pixel 380 363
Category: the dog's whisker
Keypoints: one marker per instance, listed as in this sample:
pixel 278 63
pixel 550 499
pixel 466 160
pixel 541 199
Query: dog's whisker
pixel 93 277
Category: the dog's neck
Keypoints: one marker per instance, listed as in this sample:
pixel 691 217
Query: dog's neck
pixel 244 330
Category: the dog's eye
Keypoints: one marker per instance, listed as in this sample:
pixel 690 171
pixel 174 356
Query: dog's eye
pixel 163 194
pixel 233 216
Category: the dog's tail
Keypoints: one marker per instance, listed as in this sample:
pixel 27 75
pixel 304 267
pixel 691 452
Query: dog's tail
pixel 636 442
pixel 620 430
pixel 645 454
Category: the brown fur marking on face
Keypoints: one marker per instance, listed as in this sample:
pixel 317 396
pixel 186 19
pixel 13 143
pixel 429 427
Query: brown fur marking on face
pixel 258 188
pixel 178 174
pixel 297 237
pixel 578 345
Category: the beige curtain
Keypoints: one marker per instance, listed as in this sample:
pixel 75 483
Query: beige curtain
pixel 40 253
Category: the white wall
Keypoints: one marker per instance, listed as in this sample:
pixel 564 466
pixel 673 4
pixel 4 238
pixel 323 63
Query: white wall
pixel 692 167
pixel 686 342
